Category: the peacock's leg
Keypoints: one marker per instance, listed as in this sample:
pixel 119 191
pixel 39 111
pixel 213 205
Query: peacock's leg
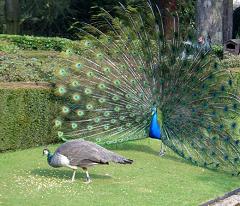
pixel 162 150
pixel 88 180
pixel 73 176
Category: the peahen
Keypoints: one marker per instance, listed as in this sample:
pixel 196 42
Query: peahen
pixel 81 153
pixel 134 83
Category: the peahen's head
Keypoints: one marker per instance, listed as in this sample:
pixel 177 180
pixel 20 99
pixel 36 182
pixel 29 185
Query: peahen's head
pixel 46 152
pixel 154 130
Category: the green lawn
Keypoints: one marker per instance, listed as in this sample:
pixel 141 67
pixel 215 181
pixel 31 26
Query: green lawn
pixel 26 179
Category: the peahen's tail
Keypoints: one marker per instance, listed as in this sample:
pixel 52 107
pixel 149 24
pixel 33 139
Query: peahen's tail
pixel 111 89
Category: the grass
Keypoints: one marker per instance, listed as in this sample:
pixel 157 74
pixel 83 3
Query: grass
pixel 26 179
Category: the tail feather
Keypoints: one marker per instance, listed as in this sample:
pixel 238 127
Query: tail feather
pixel 128 161
pixel 121 160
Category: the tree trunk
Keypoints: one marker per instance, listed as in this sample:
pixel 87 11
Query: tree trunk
pixel 227 20
pixel 12 16
pixel 167 8
pixel 215 19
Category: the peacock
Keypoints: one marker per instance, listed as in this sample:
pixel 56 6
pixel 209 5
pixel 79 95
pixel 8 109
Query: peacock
pixel 80 153
pixel 135 82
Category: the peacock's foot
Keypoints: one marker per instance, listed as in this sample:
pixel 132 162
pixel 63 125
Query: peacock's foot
pixel 162 153
pixel 87 181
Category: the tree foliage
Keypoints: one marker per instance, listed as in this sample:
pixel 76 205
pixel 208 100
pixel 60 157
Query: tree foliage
pixel 55 18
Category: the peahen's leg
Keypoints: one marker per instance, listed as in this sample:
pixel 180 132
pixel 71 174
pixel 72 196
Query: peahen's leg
pixel 88 180
pixel 162 150
pixel 73 176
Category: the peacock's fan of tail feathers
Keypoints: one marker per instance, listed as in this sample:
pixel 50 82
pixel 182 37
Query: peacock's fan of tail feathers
pixel 203 126
pixel 110 90
pixel 104 100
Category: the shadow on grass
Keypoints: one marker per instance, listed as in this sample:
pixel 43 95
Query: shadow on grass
pixel 130 146
pixel 65 174
pixel 169 155
pixel 208 178
pixel 175 158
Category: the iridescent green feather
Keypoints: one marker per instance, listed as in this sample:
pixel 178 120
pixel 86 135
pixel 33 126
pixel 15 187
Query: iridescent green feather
pixel 110 90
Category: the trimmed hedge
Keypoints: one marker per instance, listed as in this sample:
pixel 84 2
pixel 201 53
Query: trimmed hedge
pixel 39 43
pixel 28 58
pixel 26 116
pixel 26 66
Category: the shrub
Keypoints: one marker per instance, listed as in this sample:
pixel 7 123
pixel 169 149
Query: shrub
pixel 8 47
pixel 26 118
pixel 26 58
pixel 28 66
pixel 218 50
pixel 231 61
pixel 41 43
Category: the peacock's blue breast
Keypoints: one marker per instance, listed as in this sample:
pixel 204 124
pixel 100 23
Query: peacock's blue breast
pixel 154 130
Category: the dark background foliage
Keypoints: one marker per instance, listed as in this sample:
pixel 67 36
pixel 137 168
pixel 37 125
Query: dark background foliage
pixel 55 18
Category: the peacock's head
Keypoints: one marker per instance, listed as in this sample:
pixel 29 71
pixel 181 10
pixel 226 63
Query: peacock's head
pixel 154 110
pixel 46 151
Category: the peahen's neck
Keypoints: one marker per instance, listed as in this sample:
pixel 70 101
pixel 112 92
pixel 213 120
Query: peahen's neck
pixel 49 158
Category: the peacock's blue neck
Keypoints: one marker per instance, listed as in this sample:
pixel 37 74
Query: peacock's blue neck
pixel 49 158
pixel 155 130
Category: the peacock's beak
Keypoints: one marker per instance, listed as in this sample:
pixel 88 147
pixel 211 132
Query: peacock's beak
pixel 153 112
